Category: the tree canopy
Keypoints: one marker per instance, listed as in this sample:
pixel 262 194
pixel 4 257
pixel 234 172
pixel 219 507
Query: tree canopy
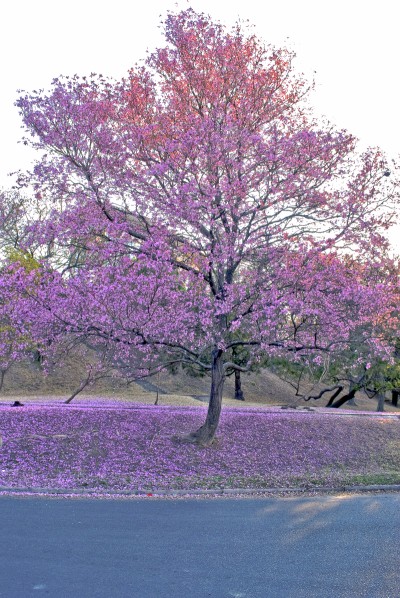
pixel 198 207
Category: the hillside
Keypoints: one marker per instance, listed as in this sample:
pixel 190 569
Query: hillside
pixel 29 380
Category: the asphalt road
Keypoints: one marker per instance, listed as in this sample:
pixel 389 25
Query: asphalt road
pixel 324 547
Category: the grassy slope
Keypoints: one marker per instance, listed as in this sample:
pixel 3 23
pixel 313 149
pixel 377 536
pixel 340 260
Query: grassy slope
pixel 264 388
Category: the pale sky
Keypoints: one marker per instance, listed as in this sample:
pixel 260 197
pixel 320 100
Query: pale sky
pixel 353 45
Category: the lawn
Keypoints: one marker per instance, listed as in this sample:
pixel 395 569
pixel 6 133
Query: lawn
pixel 112 447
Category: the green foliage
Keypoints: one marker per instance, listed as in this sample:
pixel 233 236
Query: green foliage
pixel 383 376
pixel 23 258
pixel 285 368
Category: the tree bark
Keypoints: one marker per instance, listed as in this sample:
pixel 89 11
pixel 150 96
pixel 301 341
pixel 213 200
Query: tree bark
pixel 205 435
pixel 352 401
pixel 78 390
pixel 2 374
pixel 333 397
pixel 381 401
pixel 337 389
pixel 238 387
pixel 342 400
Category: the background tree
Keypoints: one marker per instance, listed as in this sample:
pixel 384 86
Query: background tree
pixel 357 365
pixel 213 205
pixel 18 273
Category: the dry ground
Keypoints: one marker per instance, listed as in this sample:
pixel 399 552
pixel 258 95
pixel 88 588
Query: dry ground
pixel 28 382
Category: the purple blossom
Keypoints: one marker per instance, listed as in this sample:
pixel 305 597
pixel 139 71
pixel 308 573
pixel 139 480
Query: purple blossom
pixel 124 448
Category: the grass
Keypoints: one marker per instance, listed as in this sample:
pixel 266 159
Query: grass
pixel 383 478
pixel 124 448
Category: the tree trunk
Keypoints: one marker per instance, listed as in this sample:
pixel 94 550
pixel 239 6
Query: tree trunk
pixel 2 374
pixel 381 401
pixel 205 435
pixel 342 400
pixel 78 390
pixel 333 397
pixel 352 401
pixel 395 397
pixel 238 387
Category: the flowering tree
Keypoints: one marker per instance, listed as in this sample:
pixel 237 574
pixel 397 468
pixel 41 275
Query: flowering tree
pixel 353 365
pixel 207 206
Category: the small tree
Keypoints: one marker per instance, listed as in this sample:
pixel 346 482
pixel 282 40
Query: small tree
pixel 357 365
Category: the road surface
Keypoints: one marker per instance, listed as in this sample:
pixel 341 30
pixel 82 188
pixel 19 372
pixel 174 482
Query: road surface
pixel 323 547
